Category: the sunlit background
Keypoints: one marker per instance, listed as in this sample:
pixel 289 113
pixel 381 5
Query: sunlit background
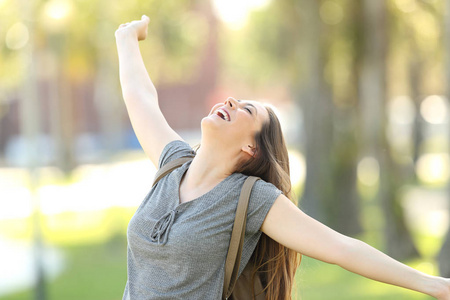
pixel 360 88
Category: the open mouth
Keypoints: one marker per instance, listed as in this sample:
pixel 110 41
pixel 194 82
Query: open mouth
pixel 223 114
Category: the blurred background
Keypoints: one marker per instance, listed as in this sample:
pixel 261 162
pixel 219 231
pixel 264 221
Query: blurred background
pixel 361 88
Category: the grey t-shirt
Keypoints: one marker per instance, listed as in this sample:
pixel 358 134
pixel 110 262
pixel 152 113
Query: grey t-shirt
pixel 178 251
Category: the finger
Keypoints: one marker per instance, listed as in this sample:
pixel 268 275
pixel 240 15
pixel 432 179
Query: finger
pixel 145 18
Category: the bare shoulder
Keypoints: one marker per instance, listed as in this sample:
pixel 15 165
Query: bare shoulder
pixel 283 210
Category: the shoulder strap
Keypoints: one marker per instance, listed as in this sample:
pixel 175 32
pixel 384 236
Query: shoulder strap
pixel 169 167
pixel 237 238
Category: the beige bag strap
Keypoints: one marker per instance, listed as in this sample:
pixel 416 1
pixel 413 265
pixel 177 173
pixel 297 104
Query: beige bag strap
pixel 237 238
pixel 169 167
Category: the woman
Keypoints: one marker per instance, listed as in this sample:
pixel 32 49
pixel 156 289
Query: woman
pixel 178 238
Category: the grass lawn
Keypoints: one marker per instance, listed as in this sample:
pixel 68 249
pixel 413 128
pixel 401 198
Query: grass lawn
pixel 98 272
pixel 319 281
pixel 93 271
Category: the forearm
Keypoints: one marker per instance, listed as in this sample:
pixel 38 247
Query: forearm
pixel 134 78
pixel 360 258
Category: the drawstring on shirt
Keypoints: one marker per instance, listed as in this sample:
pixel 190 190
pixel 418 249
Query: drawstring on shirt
pixel 162 228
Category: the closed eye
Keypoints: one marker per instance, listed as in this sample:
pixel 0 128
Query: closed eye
pixel 248 109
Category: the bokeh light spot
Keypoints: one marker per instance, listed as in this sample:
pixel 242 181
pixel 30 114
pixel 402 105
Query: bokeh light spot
pixel 235 12
pixel 58 9
pixel 434 109
pixel 433 168
pixel 368 171
pixel 297 166
pixel 17 36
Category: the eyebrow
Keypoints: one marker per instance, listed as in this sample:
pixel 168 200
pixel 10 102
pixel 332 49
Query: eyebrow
pixel 249 104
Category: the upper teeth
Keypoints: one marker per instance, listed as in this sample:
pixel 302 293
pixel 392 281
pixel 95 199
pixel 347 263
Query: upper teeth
pixel 224 113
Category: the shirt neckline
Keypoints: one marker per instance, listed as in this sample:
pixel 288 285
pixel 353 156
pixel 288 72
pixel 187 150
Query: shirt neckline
pixel 184 169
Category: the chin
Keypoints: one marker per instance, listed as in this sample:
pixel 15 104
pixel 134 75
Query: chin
pixel 207 125
pixel 210 122
pixel 205 121
pixel 211 128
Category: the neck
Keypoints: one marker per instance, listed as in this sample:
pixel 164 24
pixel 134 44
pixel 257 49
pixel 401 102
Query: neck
pixel 212 164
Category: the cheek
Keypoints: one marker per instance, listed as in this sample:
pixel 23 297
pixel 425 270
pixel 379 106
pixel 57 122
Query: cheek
pixel 243 132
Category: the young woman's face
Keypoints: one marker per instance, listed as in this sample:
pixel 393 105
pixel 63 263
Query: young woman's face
pixel 235 121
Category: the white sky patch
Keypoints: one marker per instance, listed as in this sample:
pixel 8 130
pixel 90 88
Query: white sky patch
pixel 123 184
pixel 58 9
pixel 235 12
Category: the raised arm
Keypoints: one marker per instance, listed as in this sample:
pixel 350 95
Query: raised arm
pixel 139 93
pixel 292 228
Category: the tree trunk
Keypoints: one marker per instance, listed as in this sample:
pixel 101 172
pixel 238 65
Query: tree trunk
pixel 317 108
pixel 444 255
pixel 344 206
pixel 31 129
pixel 107 105
pixel 345 217
pixel 399 243
pixel 330 192
pixel 415 80
pixel 415 74
pixel 65 131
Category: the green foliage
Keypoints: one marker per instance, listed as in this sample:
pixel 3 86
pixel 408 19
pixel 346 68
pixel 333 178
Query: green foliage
pixel 269 49
pixel 85 34
pixel 264 51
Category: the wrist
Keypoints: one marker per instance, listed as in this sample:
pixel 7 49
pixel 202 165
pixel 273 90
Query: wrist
pixel 126 34
pixel 439 287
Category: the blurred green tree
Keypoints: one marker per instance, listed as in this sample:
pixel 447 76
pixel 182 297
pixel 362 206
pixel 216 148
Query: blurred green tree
pixel 78 88
pixel 444 254
pixel 337 58
pixel 289 43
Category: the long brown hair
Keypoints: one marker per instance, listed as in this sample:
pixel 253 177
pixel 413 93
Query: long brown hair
pixel 274 262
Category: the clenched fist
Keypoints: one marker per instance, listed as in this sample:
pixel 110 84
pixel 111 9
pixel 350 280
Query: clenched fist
pixel 137 28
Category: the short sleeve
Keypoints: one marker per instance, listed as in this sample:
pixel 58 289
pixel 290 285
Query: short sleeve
pixel 173 150
pixel 262 198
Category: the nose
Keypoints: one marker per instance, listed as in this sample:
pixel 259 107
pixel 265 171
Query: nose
pixel 231 102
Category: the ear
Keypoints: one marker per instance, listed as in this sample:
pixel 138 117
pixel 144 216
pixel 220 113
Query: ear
pixel 250 150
